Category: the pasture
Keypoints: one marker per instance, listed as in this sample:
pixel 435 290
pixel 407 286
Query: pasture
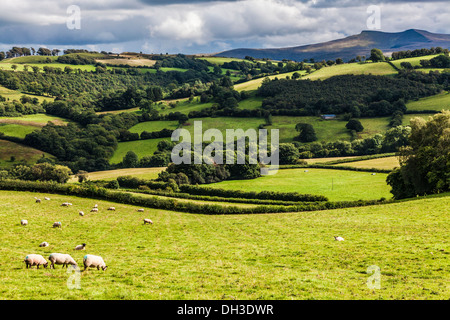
pixel 337 185
pixel 256 83
pixel 388 163
pixel 415 61
pixel 21 153
pixel 255 257
pixel 142 148
pixel 141 173
pixel 376 69
pixel 11 95
pixel 437 103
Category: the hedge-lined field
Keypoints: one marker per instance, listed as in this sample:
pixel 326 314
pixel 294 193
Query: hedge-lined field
pixel 185 256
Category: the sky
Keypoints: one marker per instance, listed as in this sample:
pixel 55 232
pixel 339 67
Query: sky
pixel 205 26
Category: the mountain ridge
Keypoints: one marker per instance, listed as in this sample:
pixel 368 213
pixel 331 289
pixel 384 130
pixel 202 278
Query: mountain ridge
pixel 349 47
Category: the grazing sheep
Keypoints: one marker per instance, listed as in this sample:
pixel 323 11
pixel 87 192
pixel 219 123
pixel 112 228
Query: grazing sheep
pixel 65 204
pixel 373 174
pixel 44 244
pixel 24 222
pixel 94 210
pixel 148 221
pixel 80 246
pixel 81 213
pixel 91 261
pixel 60 258
pixel 57 225
pixel 112 209
pixel 337 238
pixel 37 200
pixel 95 205
pixel 46 198
pixel 140 210
pixel 35 260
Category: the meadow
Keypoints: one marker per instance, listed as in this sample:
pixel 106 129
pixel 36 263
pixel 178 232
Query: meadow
pixel 388 163
pixel 21 153
pixel 11 95
pixel 256 83
pixel 376 69
pixel 108 175
pixel 336 185
pixel 415 61
pixel 437 103
pixel 226 257
pixel 142 148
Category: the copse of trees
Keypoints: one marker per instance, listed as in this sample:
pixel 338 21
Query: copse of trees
pixel 306 132
pixel 418 53
pixel 40 172
pixel 425 163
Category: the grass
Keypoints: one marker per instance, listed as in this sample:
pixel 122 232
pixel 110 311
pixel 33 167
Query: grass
pixel 17 130
pixel 21 126
pixel 382 68
pixel 256 83
pixel 220 60
pixel 22 154
pixel 16 95
pixel 388 163
pixel 415 61
pixel 337 185
pixel 243 257
pixel 36 119
pixel 437 103
pixel 141 173
pixel 373 126
pixel 142 148
pixel 152 126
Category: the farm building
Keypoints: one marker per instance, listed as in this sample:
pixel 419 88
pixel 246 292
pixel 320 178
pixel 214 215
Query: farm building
pixel 328 116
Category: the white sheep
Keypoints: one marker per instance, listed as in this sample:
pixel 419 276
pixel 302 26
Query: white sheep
pixel 80 246
pixel 140 210
pixel 57 224
pixel 65 204
pixel 94 210
pixel 37 200
pixel 44 244
pixel 148 221
pixel 91 261
pixel 24 222
pixel 81 213
pixel 46 198
pixel 61 258
pixel 112 209
pixel 338 238
pixel 95 205
pixel 35 260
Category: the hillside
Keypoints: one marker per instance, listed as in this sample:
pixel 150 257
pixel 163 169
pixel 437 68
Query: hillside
pixel 349 47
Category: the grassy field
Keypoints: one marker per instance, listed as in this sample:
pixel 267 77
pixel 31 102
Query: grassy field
pixel 16 95
pixel 21 126
pixel 382 68
pixel 141 173
pixel 23 154
pixel 388 163
pixel 152 126
pixel 142 148
pixel 337 185
pixel 438 102
pixel 220 60
pixel 414 61
pixel 256 83
pixel 255 257
pixel 17 130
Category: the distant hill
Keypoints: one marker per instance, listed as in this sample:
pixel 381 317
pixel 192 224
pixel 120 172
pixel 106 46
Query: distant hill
pixel 350 47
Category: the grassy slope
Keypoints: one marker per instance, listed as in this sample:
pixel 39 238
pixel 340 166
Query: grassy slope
pixel 141 147
pixel 256 83
pixel 141 173
pixel 186 256
pixel 337 185
pixel 152 126
pixel 21 126
pixel 15 95
pixel 381 163
pixel 438 102
pixel 20 152
pixel 414 61
pixel 381 68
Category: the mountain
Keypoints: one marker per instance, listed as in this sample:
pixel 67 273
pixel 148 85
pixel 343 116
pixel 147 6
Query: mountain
pixel 349 47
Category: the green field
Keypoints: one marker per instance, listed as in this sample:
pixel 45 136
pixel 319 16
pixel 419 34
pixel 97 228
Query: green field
pixel 152 126
pixel 141 173
pixel 256 83
pixel 16 95
pixel 337 185
pixel 22 154
pixel 255 257
pixel 142 148
pixel 220 60
pixel 388 163
pixel 21 126
pixel 437 103
pixel 377 69
pixel 17 130
pixel 415 61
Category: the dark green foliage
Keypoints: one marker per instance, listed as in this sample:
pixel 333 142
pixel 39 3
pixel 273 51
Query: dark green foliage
pixel 288 153
pixel 130 160
pixel 354 124
pixel 307 132
pixel 376 55
pixel 41 172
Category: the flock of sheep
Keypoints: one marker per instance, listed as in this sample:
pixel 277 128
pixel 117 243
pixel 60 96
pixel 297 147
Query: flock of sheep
pixel 89 260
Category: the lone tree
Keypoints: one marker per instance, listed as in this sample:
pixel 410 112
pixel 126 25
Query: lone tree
pixel 354 124
pixel 376 55
pixel 307 132
pixel 130 160
pixel 425 163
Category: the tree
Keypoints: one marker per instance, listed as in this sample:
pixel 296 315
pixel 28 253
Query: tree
pixel 288 153
pixel 354 124
pixel 376 55
pixel 307 132
pixel 130 160
pixel 425 163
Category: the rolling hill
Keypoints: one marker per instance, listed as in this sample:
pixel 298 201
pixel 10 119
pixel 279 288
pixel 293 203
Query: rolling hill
pixel 350 47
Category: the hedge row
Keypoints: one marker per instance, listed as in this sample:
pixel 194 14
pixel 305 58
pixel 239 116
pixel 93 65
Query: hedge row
pixel 134 183
pixel 263 195
pixel 362 158
pixel 326 166
pixel 171 204
pixel 213 198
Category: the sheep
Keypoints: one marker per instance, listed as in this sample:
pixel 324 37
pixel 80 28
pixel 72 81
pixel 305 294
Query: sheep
pixel 148 221
pixel 60 258
pixel 24 222
pixel 57 224
pixel 91 261
pixel 44 244
pixel 112 209
pixel 46 198
pixel 337 238
pixel 94 210
pixel 140 210
pixel 35 260
pixel 80 246
pixel 81 213
pixel 65 204
pixel 95 205
pixel 37 200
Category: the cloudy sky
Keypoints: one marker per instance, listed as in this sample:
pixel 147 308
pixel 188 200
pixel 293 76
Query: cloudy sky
pixel 205 26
